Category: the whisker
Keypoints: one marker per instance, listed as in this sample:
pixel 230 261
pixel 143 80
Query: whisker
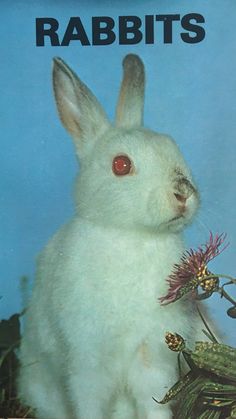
pixel 214 212
pixel 204 225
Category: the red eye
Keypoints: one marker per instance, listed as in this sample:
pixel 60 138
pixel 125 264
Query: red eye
pixel 121 165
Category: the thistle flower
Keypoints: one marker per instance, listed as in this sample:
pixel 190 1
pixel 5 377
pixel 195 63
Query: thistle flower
pixel 192 271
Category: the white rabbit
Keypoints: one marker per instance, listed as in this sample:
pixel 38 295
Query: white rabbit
pixel 93 346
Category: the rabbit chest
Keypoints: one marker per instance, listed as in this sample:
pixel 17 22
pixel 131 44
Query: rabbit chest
pixel 105 283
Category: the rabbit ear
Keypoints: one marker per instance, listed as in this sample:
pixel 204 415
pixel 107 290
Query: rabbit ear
pixel 129 112
pixel 79 110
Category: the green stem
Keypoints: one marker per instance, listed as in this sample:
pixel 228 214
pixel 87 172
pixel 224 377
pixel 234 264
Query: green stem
pixel 227 283
pixel 7 351
pixel 224 294
pixel 221 290
pixel 233 280
pixel 213 338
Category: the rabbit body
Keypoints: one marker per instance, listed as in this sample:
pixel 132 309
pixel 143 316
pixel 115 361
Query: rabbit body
pixel 93 346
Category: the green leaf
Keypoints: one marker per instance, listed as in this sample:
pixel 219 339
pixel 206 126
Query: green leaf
pixel 176 388
pixel 215 358
pixel 188 398
pixel 9 331
pixel 209 414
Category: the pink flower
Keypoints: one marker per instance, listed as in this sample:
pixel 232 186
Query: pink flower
pixel 190 272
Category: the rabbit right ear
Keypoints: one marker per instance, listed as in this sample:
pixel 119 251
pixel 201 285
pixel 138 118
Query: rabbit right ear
pixel 129 112
pixel 79 110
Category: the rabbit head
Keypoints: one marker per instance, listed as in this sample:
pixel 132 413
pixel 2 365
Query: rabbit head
pixel 130 177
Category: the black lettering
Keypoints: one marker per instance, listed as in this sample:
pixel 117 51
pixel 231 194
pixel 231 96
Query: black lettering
pixel 105 30
pixel 167 21
pixel 80 34
pixel 51 31
pixel 125 29
pixel 197 29
pixel 149 29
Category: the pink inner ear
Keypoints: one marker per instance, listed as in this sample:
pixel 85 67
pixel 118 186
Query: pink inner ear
pixel 121 165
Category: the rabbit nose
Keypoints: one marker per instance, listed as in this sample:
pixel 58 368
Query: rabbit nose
pixel 184 190
pixel 180 198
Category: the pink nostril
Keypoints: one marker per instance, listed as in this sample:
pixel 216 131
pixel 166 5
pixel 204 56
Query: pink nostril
pixel 180 198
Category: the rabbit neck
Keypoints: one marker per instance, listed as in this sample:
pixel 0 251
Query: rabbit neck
pixel 131 239
pixel 130 229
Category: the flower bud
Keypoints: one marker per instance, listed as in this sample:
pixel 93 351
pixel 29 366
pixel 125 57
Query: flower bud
pixel 232 312
pixel 175 342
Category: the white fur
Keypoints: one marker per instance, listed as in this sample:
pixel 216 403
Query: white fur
pixel 94 346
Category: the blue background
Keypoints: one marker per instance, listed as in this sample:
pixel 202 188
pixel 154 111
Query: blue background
pixel 190 94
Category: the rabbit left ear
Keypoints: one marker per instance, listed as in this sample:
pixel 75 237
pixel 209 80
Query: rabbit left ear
pixel 79 110
pixel 129 112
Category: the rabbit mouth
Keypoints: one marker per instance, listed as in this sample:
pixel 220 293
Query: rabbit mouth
pixel 175 218
pixel 176 223
pixel 173 224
